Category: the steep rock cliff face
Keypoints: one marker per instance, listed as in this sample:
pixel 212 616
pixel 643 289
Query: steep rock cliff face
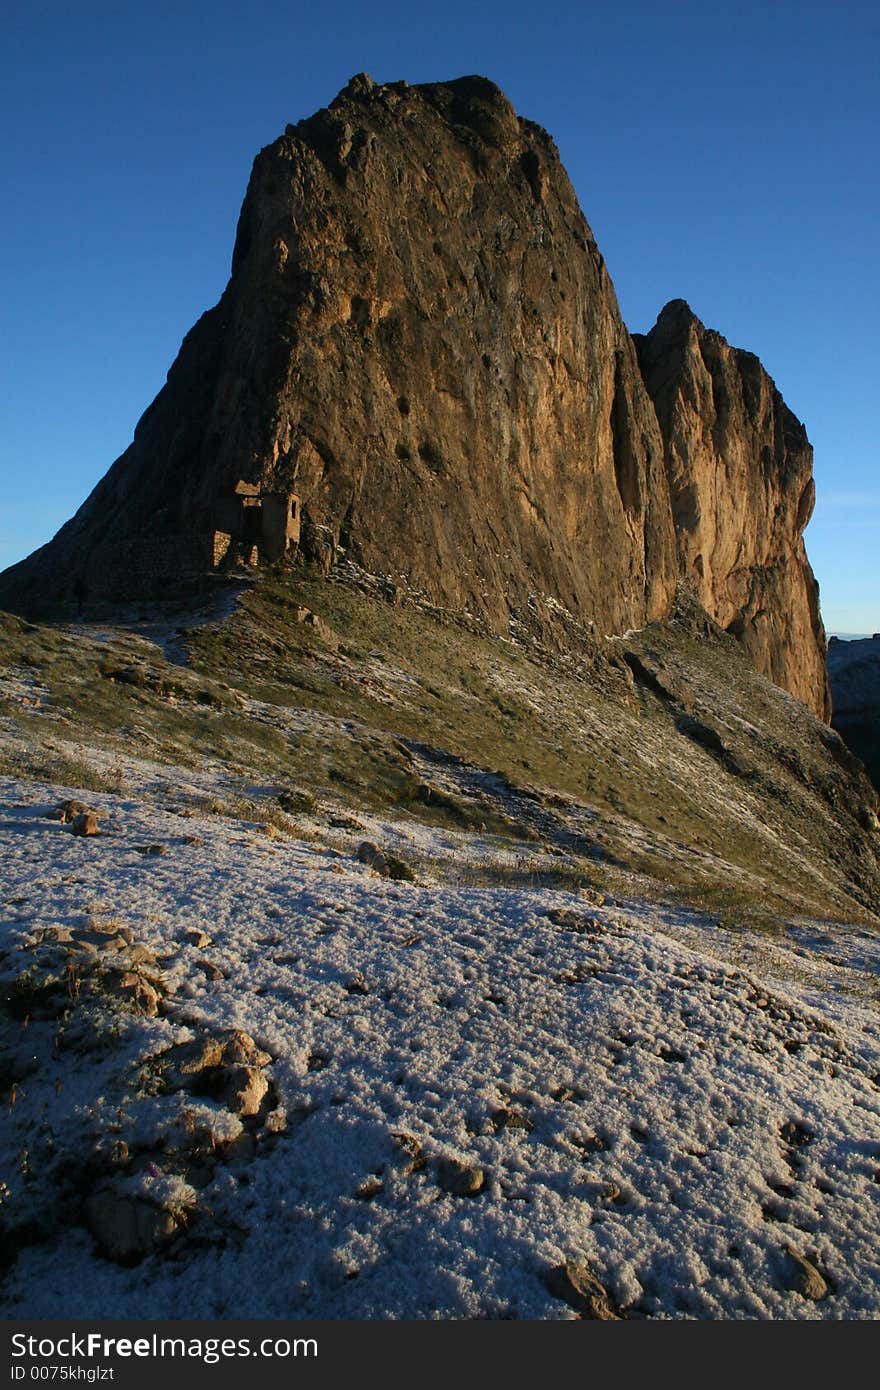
pixel 740 473
pixel 421 341
pixel 420 352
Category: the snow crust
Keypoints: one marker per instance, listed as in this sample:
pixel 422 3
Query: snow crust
pixel 625 1076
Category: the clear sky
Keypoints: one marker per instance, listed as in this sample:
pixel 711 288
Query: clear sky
pixel 724 154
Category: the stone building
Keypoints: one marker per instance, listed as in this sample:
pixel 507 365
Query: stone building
pixel 254 525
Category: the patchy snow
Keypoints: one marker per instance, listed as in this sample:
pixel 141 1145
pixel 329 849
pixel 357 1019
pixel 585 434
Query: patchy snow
pixel 673 1103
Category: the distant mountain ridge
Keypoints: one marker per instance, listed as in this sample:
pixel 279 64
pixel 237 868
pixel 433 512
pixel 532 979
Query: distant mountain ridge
pixel 854 674
pixel 419 361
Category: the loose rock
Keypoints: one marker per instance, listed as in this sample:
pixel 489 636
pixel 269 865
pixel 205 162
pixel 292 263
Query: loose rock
pixel 210 970
pixel 85 823
pixel 369 1189
pixel 803 1277
pixel 127 1228
pixel 576 1283
pixel 244 1090
pixel 460 1179
pixel 511 1119
pixel 67 811
pixel 240 1048
pixel 385 864
pixel 189 1059
pixel 409 1153
pixel 134 988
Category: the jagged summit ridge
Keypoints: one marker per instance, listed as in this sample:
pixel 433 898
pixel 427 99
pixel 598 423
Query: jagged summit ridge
pixel 740 473
pixel 419 360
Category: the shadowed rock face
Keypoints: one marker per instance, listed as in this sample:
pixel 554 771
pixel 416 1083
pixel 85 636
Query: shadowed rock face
pixel 854 674
pixel 740 472
pixel 421 344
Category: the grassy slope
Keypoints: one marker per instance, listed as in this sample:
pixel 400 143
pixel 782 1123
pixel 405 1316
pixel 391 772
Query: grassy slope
pixel 693 779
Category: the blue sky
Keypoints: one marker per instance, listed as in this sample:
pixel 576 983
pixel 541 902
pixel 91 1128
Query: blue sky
pixel 725 155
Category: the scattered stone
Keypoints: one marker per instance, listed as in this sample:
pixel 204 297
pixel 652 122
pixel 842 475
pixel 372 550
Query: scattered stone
pixel 385 864
pixel 399 871
pixel 601 1190
pixel 372 856
pixel 459 1178
pixel 67 811
pixel 569 920
pixel 197 938
pixel 189 1059
pixel 152 849
pixel 592 896
pixel 409 1153
pixel 296 800
pixel 590 1143
pixel 803 1277
pixel 210 970
pixel 276 1121
pixel 227 1067
pixel 127 1228
pixel 140 955
pixel 319 627
pixel 577 1285
pixel 511 1119
pixel 134 988
pixel 105 935
pixel 93 942
pixel 86 823
pixel 239 1048
pixel 369 1189
pixel 794 1134
pixel 560 916
pixel 58 936
pixel 193 840
pixel 244 1090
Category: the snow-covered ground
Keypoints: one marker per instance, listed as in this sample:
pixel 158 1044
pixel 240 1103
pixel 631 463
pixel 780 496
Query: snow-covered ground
pixel 692 1113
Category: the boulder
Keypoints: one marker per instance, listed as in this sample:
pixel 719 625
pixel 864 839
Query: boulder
pixel 802 1276
pixel 460 1178
pixel 244 1090
pixel 85 823
pixel 577 1284
pixel 127 1228
pixel 67 811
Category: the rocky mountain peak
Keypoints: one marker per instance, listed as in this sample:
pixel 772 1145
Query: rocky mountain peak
pixel 740 473
pixel 419 363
